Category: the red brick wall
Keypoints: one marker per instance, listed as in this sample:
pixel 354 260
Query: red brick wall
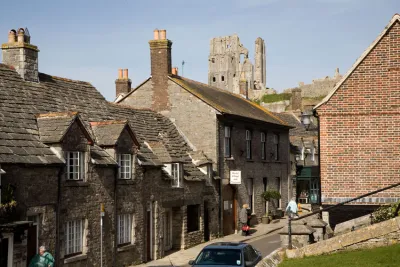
pixel 360 127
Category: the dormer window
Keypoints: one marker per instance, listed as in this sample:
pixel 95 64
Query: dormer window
pixel 125 166
pixel 176 173
pixel 75 165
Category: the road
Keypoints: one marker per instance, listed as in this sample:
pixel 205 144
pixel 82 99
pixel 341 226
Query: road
pixel 266 244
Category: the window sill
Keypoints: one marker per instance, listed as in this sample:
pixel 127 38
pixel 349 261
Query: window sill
pixel 75 258
pixel 77 183
pixel 125 182
pixel 230 159
pixel 125 248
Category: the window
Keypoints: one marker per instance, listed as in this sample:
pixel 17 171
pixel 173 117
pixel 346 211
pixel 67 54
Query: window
pixel 227 141
pixel 75 165
pixel 250 255
pixel 248 144
pixel 222 78
pixel 214 79
pixel 193 217
pixel 276 146
pixel 176 174
pixel 209 171
pixel 263 152
pixel 125 164
pixel 250 190
pixel 124 229
pixel 213 60
pixel 220 256
pixel 279 189
pixel 265 183
pixel 74 237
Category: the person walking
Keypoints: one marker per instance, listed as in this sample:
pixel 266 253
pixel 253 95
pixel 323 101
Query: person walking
pixel 291 208
pixel 244 220
pixel 42 259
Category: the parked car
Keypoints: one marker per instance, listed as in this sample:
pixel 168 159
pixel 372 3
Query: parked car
pixel 227 254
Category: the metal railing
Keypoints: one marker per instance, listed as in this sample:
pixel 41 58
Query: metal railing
pixel 290 219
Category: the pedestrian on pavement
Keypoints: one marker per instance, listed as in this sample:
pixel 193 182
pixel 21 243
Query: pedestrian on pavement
pixel 244 220
pixel 291 209
pixel 42 259
pixel 248 214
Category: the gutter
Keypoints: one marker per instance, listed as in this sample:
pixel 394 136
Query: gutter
pixel 58 210
pixel 220 173
pixel 114 257
pixel 315 114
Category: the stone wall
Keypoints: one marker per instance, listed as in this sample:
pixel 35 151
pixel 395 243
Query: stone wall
pixel 359 128
pixel 380 234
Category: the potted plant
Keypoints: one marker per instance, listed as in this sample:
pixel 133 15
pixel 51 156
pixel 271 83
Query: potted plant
pixel 268 196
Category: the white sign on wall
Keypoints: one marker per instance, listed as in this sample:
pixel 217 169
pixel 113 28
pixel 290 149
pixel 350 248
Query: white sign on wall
pixel 235 177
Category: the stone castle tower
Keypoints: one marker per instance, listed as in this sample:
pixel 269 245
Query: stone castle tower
pixel 230 68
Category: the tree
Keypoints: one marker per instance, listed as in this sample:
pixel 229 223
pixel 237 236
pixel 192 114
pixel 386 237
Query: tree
pixel 270 195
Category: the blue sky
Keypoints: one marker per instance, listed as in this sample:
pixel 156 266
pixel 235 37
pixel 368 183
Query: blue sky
pixel 89 40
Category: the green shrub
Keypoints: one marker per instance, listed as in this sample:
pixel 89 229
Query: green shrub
pixel 275 97
pixel 384 213
pixel 271 194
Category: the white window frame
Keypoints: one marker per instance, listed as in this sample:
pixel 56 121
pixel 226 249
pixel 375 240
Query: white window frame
pixel 263 146
pixel 176 174
pixel 78 171
pixel 227 142
pixel 248 144
pixel 74 234
pixel 126 229
pixel 125 166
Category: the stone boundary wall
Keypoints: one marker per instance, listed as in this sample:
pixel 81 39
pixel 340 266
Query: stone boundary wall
pixel 273 259
pixel 376 235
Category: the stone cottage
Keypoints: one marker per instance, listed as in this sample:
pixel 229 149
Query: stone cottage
pixel 248 146
pixel 359 129
pixel 69 158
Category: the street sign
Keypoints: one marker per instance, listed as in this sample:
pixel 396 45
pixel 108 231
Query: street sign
pixel 235 177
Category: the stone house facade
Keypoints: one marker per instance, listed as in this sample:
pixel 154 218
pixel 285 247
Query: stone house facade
pixel 359 123
pixel 70 156
pixel 234 133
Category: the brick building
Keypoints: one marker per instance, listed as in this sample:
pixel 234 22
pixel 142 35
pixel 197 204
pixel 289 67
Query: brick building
pixel 359 127
pixel 238 136
pixel 65 152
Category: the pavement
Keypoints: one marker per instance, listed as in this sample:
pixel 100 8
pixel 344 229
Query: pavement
pixel 182 257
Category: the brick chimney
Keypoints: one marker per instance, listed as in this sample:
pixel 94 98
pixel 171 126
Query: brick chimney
pixel 19 53
pixel 123 83
pixel 161 68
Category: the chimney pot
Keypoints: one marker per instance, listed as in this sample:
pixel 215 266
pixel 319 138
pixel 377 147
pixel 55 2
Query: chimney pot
pixel 125 74
pixel 119 73
pixel 156 34
pixel 163 34
pixel 12 36
pixel 175 71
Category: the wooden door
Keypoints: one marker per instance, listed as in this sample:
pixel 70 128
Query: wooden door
pixel 32 243
pixel 229 224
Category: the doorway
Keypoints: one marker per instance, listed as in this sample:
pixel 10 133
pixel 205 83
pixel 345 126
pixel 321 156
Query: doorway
pixel 206 223
pixel 229 210
pixel 6 250
pixel 33 233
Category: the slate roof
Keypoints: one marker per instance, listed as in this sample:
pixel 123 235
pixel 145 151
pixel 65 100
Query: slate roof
pixel 226 102
pixel 21 129
pixel 54 125
pixel 108 132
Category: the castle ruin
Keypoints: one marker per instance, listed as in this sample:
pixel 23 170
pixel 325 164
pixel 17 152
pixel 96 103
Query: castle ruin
pixel 230 68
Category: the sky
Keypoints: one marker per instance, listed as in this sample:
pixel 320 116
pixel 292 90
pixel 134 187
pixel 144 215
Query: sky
pixel 90 40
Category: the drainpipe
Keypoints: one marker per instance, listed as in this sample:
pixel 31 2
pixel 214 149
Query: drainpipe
pixel 114 257
pixel 58 210
pixel 220 170
pixel 315 114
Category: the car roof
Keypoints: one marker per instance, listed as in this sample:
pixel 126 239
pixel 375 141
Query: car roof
pixel 226 245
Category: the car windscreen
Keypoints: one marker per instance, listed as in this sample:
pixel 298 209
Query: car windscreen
pixel 220 256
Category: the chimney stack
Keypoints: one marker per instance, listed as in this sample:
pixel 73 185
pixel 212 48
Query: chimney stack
pixel 123 84
pixel 19 53
pixel 161 68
